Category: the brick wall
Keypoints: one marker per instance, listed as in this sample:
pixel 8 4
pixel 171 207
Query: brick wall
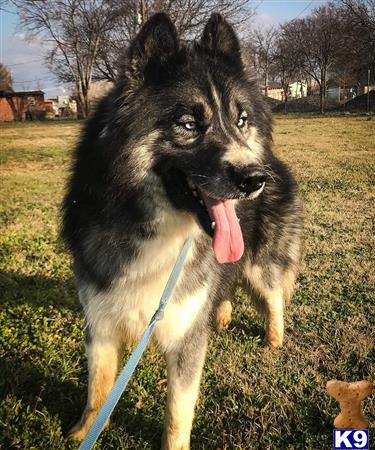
pixel 20 107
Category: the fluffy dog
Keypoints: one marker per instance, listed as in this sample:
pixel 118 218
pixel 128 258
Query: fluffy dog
pixel 181 146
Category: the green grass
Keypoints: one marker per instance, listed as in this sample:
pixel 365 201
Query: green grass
pixel 250 398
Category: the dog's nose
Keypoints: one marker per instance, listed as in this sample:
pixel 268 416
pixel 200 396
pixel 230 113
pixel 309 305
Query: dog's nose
pixel 250 180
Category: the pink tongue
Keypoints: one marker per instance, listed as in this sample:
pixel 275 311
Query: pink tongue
pixel 228 240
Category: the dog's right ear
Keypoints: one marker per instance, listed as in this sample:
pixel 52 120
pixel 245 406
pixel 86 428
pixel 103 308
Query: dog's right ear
pixel 156 42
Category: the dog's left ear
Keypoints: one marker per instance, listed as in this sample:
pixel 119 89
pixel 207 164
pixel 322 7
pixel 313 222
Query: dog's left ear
pixel 219 38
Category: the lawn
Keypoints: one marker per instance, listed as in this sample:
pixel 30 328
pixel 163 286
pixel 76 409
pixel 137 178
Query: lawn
pixel 251 398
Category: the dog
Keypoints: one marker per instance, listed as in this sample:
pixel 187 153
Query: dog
pixel 180 147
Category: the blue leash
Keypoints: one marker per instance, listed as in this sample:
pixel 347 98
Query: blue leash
pixel 124 377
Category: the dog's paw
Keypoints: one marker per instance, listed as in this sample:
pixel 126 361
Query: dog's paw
pixel 273 341
pixel 173 443
pixel 80 429
pixel 223 315
pixel 78 432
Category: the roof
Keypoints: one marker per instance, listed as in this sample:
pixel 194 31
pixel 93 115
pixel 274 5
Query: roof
pixel 20 94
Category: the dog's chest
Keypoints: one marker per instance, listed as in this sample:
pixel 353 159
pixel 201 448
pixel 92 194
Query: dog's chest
pixel 128 307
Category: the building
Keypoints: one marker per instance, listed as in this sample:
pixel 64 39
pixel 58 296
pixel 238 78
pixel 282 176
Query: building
pixel 298 89
pixel 26 105
pixel 62 106
pixel 274 90
pixel 51 108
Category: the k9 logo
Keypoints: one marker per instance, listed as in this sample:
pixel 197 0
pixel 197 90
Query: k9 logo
pixel 343 439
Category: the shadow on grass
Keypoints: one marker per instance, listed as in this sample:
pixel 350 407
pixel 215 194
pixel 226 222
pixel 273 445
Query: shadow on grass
pixel 252 328
pixel 37 291
pixel 35 388
pixel 49 375
pixel 66 400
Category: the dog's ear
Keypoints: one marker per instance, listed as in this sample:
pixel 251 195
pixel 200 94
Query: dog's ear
pixel 220 39
pixel 156 42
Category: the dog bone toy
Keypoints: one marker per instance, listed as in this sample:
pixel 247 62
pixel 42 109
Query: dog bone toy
pixel 350 396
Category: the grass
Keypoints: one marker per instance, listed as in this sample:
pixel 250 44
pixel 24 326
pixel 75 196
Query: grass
pixel 250 398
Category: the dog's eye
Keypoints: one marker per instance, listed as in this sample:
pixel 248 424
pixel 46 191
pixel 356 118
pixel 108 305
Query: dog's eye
pixel 190 126
pixel 187 122
pixel 242 121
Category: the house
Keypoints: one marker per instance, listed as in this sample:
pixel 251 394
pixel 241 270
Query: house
pixel 62 106
pixel 338 92
pixel 274 90
pixel 25 105
pixel 65 104
pixel 51 108
pixel 298 89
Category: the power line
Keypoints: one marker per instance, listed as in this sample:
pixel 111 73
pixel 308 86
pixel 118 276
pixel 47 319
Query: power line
pixel 7 11
pixel 257 6
pixel 304 9
pixel 26 62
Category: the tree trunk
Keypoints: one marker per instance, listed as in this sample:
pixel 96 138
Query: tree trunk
pixel 86 101
pixel 81 107
pixel 83 104
pixel 322 91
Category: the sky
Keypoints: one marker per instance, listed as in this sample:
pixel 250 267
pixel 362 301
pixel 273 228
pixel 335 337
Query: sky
pixel 25 58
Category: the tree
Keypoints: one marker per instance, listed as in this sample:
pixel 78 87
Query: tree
pixel 316 40
pixel 188 17
pixel 362 13
pixel 87 37
pixel 263 41
pixel 285 64
pixel 75 29
pixel 6 81
pixel 357 53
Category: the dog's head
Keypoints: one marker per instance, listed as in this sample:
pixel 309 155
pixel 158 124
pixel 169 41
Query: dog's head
pixel 198 121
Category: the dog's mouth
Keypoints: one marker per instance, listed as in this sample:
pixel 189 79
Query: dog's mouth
pixel 223 224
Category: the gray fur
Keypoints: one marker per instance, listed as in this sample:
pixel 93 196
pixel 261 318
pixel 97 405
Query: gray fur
pixel 128 209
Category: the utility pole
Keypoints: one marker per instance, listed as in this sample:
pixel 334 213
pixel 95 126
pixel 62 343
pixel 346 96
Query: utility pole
pixel 142 12
pixel 368 92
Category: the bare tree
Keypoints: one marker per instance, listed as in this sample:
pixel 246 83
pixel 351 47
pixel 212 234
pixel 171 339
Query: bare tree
pixel 316 40
pixel 188 17
pixel 263 41
pixel 75 29
pixel 362 13
pixel 87 36
pixel 357 43
pixel 285 64
pixel 6 81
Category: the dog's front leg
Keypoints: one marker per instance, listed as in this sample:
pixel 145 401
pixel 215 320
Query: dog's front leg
pixel 102 354
pixel 274 305
pixel 184 372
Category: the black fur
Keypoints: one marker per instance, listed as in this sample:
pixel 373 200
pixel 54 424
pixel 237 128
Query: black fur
pixel 137 158
pixel 100 195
